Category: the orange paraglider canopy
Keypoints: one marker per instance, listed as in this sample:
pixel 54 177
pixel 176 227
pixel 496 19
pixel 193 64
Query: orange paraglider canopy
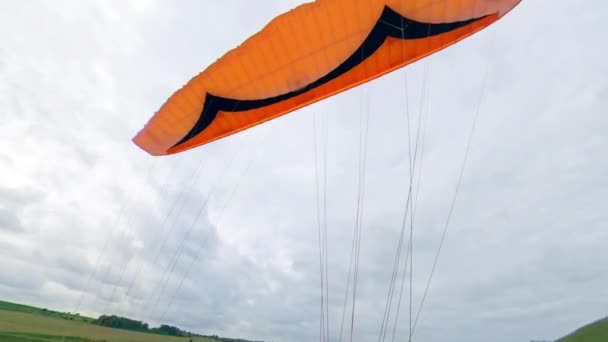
pixel 305 55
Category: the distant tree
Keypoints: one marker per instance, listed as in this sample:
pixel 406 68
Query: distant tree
pixel 121 323
pixel 168 330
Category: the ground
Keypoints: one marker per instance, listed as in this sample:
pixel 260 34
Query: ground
pixel 20 323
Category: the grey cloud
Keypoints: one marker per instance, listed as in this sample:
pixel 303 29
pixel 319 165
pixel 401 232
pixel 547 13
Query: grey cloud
pixel 13 277
pixel 13 202
pixel 9 220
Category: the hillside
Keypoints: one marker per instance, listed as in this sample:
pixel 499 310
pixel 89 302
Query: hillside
pixel 20 322
pixel 22 326
pixel 594 332
pixel 8 306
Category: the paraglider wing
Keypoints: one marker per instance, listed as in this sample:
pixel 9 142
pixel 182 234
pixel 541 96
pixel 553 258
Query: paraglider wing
pixel 305 55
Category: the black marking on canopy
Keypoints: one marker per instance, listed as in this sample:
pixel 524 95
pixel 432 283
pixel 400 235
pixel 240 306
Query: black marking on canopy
pixel 390 24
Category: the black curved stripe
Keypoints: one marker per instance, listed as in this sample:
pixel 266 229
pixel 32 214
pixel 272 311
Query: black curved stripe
pixel 390 24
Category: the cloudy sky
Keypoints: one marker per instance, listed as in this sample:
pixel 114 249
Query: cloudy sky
pixel 224 239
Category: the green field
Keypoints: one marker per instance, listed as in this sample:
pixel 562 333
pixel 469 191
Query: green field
pixel 24 326
pixel 22 323
pixel 45 312
pixel 594 332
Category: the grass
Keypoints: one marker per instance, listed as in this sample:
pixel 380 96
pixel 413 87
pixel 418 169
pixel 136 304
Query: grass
pixel 594 332
pixel 38 311
pixel 32 337
pixel 24 323
pixel 28 324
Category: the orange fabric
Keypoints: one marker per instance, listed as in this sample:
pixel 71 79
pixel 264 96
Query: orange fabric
pixel 296 49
